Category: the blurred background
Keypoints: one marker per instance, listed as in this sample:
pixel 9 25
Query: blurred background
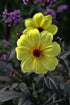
pixel 28 8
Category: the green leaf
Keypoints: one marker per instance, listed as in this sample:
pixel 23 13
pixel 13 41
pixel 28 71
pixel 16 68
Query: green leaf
pixel 24 102
pixel 52 83
pixel 8 95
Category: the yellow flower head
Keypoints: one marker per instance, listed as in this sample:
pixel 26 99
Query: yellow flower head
pixel 40 22
pixel 37 52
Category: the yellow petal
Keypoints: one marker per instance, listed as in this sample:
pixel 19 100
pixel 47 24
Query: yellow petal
pixel 46 22
pixel 37 19
pixel 46 37
pixel 52 49
pixel 23 41
pixel 50 63
pixel 53 29
pixel 29 23
pixel 44 64
pixel 34 37
pixel 26 66
pixel 38 66
pixel 22 53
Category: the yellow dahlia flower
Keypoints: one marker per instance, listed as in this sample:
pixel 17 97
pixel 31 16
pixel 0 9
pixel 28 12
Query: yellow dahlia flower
pixel 37 51
pixel 40 22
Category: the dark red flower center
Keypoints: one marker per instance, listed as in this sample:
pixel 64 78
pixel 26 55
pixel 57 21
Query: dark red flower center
pixel 40 29
pixel 36 52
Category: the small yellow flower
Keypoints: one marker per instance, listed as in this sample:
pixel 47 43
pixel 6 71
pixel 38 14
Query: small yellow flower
pixel 40 22
pixel 37 52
